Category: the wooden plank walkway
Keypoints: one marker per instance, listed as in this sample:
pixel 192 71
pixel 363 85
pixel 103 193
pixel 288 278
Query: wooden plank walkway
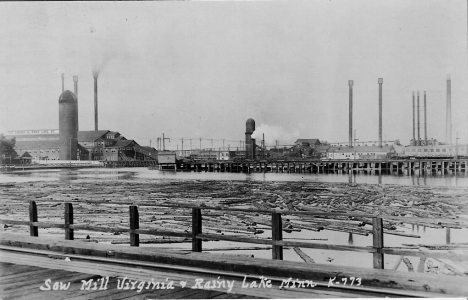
pixel 24 279
pixel 22 275
pixel 143 264
pixel 23 282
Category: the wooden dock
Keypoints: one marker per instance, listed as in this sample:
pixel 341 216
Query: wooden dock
pixel 409 166
pixel 26 262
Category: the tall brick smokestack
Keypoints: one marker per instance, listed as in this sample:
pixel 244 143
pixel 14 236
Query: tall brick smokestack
pixel 75 80
pixel 448 116
pixel 419 136
pixel 425 119
pixel 95 75
pixel 414 121
pixel 350 83
pixel 380 112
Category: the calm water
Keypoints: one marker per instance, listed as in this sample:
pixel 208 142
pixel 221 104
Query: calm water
pixel 447 178
pixel 428 235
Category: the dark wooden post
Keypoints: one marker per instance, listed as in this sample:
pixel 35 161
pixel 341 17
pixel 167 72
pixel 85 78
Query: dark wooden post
pixel 134 224
pixel 196 229
pixel 69 234
pixel 33 230
pixel 377 232
pixel 276 235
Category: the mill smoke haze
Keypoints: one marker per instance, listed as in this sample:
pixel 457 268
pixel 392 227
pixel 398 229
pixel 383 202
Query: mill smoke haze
pixel 274 133
pixel 103 47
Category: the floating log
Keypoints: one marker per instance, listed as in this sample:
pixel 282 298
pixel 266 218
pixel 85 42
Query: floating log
pixel 401 233
pixel 237 248
pixel 304 256
pixel 408 264
pixel 397 264
pixel 440 247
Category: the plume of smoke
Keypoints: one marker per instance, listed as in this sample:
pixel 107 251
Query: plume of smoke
pixel 104 47
pixel 274 133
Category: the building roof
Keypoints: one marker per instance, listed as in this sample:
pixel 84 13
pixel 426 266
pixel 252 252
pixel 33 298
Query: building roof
pixel 115 134
pixel 322 148
pixel 123 143
pixel 23 154
pixel 310 141
pixel 347 149
pixel 148 148
pixel 91 136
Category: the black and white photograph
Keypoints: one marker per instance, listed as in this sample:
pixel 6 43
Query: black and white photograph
pixel 234 149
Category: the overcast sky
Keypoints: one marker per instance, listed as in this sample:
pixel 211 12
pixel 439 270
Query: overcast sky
pixel 201 69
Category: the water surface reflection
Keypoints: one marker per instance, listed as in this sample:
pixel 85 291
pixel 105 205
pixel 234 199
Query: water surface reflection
pixel 446 178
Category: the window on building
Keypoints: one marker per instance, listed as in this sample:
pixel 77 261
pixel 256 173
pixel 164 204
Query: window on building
pixel 432 150
pixel 437 150
pixel 444 150
pixel 425 150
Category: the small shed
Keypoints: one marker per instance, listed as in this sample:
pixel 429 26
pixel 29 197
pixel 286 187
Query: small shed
pixel 167 160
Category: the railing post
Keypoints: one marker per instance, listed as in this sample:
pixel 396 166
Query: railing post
pixel 69 234
pixel 33 230
pixel 196 229
pixel 134 224
pixel 377 232
pixel 276 235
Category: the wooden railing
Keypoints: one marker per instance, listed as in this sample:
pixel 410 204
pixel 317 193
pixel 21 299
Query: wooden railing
pixel 198 236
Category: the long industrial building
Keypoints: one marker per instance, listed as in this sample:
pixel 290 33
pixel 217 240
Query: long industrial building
pixel 67 143
pixel 102 145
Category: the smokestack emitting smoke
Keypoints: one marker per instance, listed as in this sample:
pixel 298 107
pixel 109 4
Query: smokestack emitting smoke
pixel 95 75
pixel 380 112
pixel 425 119
pixel 350 83
pixel 448 125
pixel 75 80
pixel 63 82
pixel 414 121
pixel 419 136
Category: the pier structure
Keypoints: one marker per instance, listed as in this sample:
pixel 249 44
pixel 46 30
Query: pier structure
pixel 303 166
